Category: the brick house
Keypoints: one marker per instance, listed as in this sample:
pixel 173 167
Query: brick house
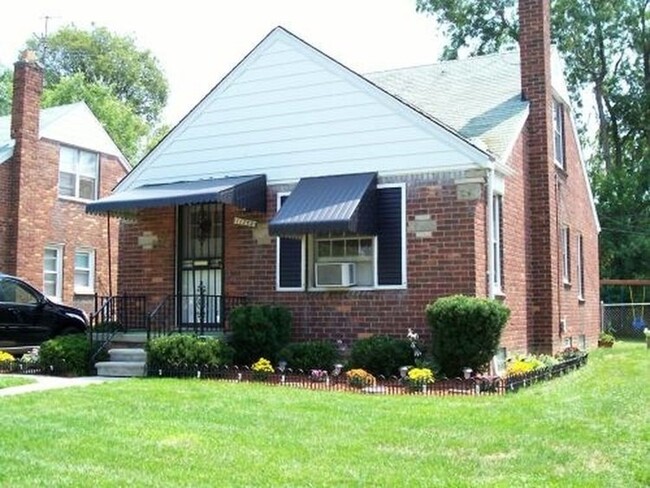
pixel 355 200
pixel 52 162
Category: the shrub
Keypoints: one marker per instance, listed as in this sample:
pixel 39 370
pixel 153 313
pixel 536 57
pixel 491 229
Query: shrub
pixel 306 356
pixel 69 354
pixel 381 355
pixel 259 331
pixel 420 376
pixel 359 378
pixel 182 350
pixel 605 339
pixel 465 331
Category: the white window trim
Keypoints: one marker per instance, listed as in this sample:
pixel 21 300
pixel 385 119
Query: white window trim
pixel 558 129
pixel 580 268
pixel 496 242
pixel 85 290
pixel 310 260
pixel 76 197
pixel 59 271
pixel 565 238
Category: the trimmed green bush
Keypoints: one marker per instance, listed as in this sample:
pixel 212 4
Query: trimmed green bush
pixel 465 332
pixel 67 354
pixel 259 331
pixel 182 350
pixel 309 355
pixel 381 355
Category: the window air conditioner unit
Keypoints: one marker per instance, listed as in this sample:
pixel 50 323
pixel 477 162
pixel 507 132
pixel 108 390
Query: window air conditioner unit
pixel 336 274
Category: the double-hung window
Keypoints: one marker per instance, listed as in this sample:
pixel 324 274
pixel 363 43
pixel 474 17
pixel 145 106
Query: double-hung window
pixel 52 271
pixel 558 134
pixel 566 254
pixel 581 268
pixel 78 173
pixel 84 271
pixel 497 247
pixel 320 261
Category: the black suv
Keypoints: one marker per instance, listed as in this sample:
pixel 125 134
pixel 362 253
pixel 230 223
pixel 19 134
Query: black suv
pixel 28 318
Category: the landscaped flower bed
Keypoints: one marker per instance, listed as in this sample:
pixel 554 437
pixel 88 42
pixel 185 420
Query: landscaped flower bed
pixel 478 385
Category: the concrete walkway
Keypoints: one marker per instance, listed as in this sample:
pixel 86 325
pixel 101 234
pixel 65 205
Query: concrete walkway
pixel 42 383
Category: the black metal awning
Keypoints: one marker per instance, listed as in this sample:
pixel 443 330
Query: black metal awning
pixel 247 192
pixel 342 203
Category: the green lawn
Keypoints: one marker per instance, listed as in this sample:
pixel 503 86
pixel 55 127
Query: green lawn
pixel 7 381
pixel 588 428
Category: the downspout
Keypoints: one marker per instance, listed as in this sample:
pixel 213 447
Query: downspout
pixel 490 231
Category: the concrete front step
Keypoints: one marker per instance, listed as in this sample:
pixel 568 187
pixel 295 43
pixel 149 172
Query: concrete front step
pixel 124 362
pixel 127 355
pixel 121 368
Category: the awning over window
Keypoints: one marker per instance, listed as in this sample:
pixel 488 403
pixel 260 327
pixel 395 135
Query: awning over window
pixel 343 203
pixel 247 192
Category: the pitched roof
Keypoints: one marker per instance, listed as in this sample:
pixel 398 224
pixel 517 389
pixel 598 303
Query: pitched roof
pixel 72 124
pixel 479 97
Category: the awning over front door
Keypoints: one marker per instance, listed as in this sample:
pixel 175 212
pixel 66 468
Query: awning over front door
pixel 247 192
pixel 341 203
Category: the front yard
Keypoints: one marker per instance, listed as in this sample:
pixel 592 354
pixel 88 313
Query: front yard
pixel 588 428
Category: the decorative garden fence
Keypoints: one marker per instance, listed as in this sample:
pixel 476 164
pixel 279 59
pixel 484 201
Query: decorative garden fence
pixel 383 386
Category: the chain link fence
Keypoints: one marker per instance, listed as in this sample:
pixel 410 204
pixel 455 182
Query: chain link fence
pixel 625 320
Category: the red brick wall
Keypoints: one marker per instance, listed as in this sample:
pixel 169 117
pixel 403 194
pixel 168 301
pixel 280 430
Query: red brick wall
pixel 39 216
pixel 438 265
pixel 575 210
pixel 152 271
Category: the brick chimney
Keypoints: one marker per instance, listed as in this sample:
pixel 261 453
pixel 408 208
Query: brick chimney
pixel 25 114
pixel 26 104
pixel 535 54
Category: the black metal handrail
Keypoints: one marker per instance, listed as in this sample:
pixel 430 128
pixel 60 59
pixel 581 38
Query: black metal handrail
pixel 191 313
pixel 113 315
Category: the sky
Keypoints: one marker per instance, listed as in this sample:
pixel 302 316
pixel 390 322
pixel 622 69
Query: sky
pixel 198 42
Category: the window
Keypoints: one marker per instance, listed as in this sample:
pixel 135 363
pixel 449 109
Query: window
pixel 566 255
pixel 356 250
pixel 52 276
pixel 497 248
pixel 84 271
pixel 580 273
pixel 377 261
pixel 14 292
pixel 78 173
pixel 558 134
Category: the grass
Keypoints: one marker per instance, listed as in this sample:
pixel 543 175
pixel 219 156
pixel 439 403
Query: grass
pixel 7 381
pixel 588 428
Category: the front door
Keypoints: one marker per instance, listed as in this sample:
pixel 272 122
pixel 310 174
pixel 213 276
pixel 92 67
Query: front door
pixel 200 267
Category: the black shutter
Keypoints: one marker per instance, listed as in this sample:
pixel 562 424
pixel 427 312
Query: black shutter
pixel 389 237
pixel 290 266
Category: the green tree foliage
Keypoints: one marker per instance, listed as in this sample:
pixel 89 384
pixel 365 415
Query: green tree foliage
pixel 123 85
pixel 105 58
pixel 6 89
pixel 119 120
pixel 606 48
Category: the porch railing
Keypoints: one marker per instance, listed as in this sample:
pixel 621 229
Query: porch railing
pixel 113 315
pixel 197 314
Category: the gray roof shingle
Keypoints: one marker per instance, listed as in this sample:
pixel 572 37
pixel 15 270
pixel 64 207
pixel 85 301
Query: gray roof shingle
pixel 478 97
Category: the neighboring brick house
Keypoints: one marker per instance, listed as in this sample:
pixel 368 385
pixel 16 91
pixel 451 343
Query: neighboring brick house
pixel 52 162
pixel 356 200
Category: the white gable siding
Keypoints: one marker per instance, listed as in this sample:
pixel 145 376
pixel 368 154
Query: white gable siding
pixel 288 111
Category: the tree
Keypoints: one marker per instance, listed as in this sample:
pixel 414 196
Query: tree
pixel 122 124
pixel 6 89
pixel 104 58
pixel 606 48
pixel 123 85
